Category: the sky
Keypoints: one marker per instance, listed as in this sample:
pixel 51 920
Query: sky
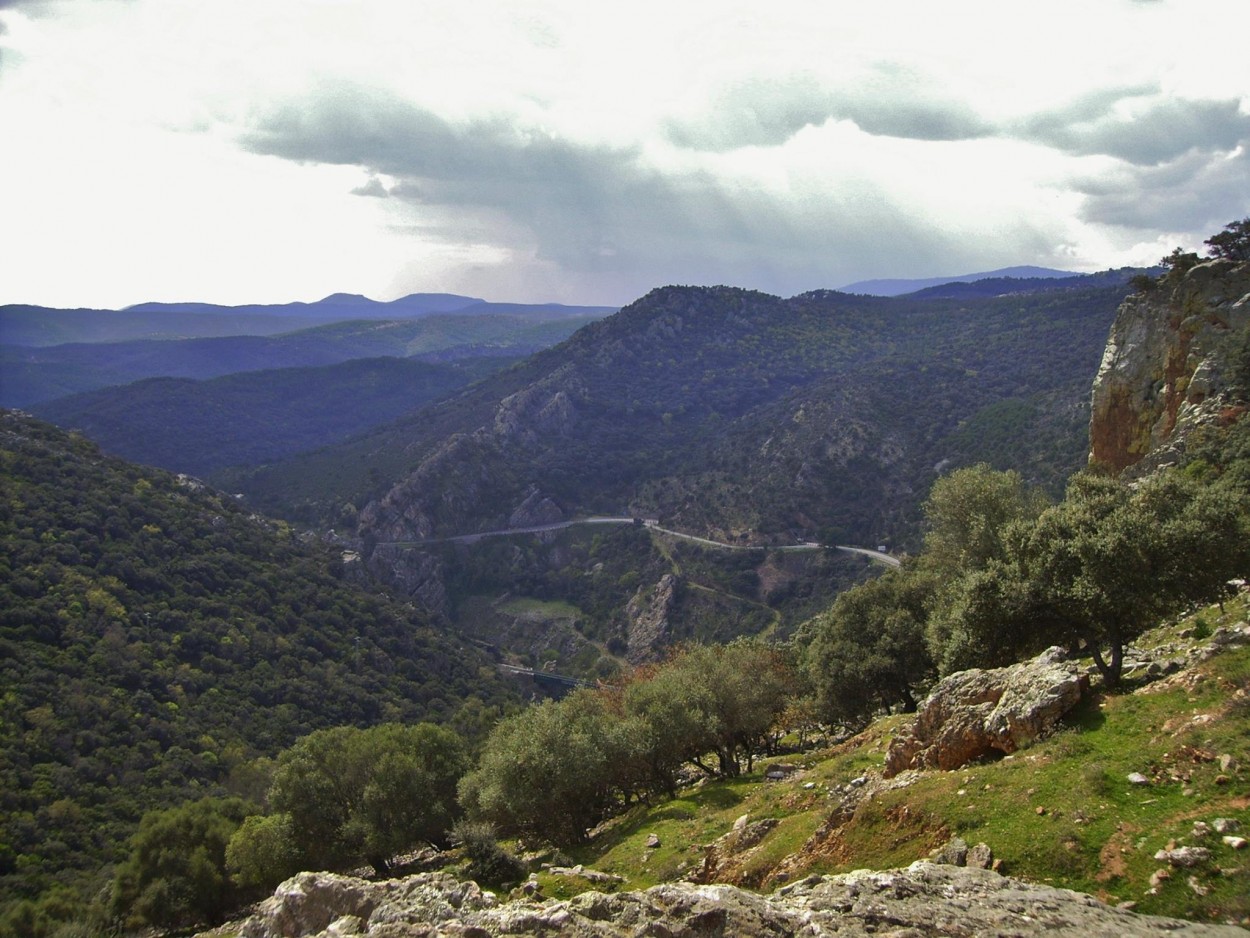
pixel 240 151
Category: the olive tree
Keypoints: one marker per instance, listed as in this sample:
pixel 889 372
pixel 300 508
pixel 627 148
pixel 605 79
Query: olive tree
pixel 1100 568
pixel 175 873
pixel 868 652
pixel 354 794
pixel 549 772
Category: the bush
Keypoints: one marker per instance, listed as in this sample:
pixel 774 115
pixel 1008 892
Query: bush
pixel 489 863
pixel 176 872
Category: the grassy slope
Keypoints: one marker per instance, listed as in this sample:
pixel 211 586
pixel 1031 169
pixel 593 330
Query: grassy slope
pixel 1094 832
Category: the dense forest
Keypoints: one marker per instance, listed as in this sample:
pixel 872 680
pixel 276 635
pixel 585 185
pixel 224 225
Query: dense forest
pixel 156 640
pixel 251 417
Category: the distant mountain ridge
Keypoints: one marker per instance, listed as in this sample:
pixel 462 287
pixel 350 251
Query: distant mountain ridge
pixel 897 287
pixel 336 305
pixel 27 325
pixel 339 306
pixel 186 425
pixel 33 374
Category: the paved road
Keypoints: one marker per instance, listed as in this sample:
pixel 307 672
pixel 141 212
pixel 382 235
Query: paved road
pixel 654 525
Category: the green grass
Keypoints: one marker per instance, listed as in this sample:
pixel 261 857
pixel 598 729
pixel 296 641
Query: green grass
pixel 540 609
pixel 1061 812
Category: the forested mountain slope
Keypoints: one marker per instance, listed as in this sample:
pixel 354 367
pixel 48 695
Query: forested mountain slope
pixel 253 417
pixel 732 412
pixel 156 639
pixel 29 375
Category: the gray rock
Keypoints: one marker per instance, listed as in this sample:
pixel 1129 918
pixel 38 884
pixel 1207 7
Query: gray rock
pixel 981 857
pixel 1225 825
pixel 1185 856
pixel 955 853
pixel 648 613
pixel 1136 778
pixel 924 899
pixel 535 510
pixel 974 713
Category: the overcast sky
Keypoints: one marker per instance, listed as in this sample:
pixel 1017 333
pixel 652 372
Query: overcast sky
pixel 238 151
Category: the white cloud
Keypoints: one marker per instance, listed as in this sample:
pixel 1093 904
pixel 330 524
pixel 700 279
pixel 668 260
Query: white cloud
pixel 551 149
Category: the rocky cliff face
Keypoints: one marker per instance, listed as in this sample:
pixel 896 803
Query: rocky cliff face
pixel 924 899
pixel 1166 369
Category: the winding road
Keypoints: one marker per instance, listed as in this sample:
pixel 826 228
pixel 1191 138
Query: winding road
pixel 653 525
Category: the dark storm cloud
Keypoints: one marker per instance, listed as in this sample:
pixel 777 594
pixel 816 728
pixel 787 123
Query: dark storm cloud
pixel 1196 192
pixel 603 210
pixel 890 103
pixel 1154 132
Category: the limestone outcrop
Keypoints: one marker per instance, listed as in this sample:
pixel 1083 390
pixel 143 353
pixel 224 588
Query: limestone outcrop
pixel 923 899
pixel 974 713
pixel 648 614
pixel 1166 369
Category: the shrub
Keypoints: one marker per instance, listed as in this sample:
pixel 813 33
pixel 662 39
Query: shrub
pixel 489 863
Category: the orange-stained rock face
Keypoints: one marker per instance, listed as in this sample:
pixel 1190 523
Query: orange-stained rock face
pixel 973 713
pixel 1165 368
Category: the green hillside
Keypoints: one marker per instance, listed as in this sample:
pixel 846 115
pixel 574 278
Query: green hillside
pixel 156 639
pixel 1062 811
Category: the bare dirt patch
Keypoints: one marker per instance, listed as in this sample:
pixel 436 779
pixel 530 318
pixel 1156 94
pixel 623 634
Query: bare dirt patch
pixel 1111 858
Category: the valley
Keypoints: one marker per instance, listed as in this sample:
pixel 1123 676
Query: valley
pixel 408 541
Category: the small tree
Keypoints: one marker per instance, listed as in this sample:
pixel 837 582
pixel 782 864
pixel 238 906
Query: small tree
pixel 263 852
pixel 355 794
pixel 737 692
pixel 176 875
pixel 489 863
pixel 1178 262
pixel 869 652
pixel 548 772
pixel 1233 243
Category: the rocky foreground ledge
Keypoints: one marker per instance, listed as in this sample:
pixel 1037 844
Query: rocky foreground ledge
pixel 922 900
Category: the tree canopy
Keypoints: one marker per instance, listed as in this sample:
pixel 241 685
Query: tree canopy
pixel 868 653
pixel 557 769
pixel 354 794
pixel 176 873
pixel 1232 243
pixel 1095 571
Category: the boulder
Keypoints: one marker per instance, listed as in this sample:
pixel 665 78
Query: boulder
pixel 974 713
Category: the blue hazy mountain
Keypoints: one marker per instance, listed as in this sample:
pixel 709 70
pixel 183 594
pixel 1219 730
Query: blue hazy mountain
pixel 899 287
pixel 38 326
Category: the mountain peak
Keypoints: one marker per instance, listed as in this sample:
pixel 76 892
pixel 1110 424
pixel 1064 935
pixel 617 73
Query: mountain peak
pixel 348 299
